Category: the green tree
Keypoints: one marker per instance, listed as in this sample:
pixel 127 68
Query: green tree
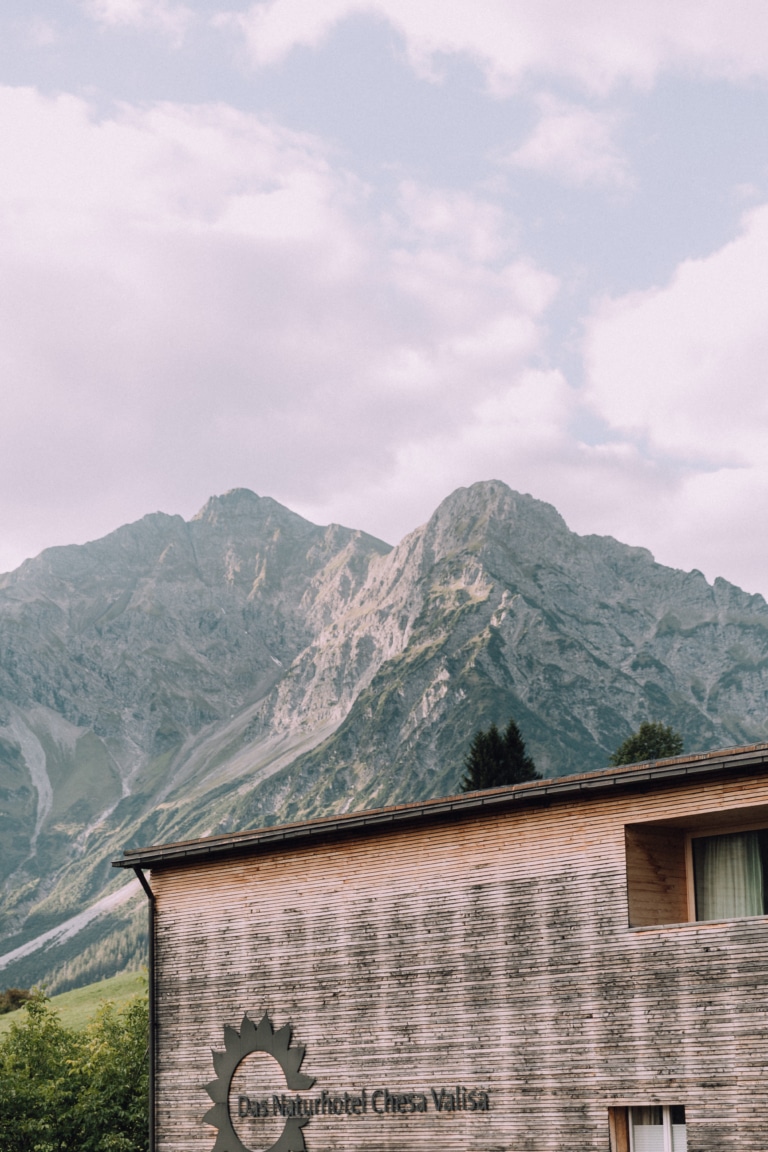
pixel 114 1072
pixel 497 758
pixel 64 1090
pixel 652 741
pixel 38 1087
pixel 13 998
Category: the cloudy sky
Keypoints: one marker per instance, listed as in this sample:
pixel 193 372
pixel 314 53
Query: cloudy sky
pixel 355 253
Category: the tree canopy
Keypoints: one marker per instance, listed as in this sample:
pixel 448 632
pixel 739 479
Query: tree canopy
pixel 66 1090
pixel 13 998
pixel 497 758
pixel 652 741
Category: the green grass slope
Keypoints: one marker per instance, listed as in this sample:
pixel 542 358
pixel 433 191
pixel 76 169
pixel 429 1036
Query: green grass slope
pixel 80 1005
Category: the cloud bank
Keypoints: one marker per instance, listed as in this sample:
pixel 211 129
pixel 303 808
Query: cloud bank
pixel 597 43
pixel 682 370
pixel 194 296
pixel 197 292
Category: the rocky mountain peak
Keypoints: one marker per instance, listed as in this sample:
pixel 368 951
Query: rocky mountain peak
pixel 249 666
pixel 476 518
pixel 241 506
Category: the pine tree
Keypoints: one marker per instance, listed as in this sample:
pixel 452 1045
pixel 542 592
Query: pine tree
pixel 497 758
pixel 652 741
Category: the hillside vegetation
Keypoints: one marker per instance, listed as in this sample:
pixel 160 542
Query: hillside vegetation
pixel 77 1008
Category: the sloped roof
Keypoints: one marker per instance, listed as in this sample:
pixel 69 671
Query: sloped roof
pixel 535 793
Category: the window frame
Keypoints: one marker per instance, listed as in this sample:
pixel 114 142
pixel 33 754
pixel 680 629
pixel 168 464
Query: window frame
pixel 621 1128
pixel 686 829
pixel 666 1121
pixel 690 870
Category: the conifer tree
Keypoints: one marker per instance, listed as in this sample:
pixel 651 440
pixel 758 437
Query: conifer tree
pixel 652 741
pixel 497 758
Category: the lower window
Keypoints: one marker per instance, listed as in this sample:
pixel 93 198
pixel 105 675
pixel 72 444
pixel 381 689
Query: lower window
pixel 655 1128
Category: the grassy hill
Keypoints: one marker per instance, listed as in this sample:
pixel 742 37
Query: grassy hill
pixel 79 1005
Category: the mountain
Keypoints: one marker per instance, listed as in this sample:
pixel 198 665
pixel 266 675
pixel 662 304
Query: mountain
pixel 177 679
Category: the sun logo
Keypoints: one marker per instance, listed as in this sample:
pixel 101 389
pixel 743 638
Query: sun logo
pixel 237 1046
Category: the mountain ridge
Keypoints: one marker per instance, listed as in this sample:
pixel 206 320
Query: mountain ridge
pixel 177 678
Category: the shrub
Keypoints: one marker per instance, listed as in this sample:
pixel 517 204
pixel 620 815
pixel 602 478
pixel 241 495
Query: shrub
pixel 64 1090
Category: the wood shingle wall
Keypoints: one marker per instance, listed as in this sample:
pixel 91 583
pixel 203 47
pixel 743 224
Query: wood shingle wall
pixel 491 952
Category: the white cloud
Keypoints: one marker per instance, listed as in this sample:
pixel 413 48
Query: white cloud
pixel 681 371
pixel 684 366
pixel 43 33
pixel 153 15
pixel 574 144
pixel 458 220
pixel 597 43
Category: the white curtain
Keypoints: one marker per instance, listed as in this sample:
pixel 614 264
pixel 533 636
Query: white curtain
pixel 653 1130
pixel 647 1130
pixel 729 876
pixel 679 1138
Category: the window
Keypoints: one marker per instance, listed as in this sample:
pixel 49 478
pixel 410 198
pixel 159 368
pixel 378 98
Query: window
pixel 686 869
pixel 649 1128
pixel 729 874
pixel 657 1129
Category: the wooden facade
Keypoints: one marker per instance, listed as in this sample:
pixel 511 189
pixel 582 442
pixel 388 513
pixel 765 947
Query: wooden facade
pixel 504 971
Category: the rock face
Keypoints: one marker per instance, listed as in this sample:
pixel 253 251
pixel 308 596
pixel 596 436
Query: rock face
pixel 176 679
